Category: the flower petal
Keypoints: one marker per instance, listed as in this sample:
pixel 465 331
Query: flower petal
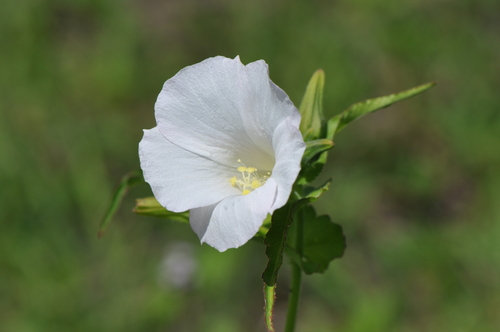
pixel 199 219
pixel 264 105
pixel 182 180
pixel 289 147
pixel 235 220
pixel 224 111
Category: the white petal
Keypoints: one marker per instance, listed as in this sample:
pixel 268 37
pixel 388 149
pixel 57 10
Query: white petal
pixel 265 105
pixel 182 180
pixel 223 110
pixel 289 148
pixel 236 219
pixel 199 219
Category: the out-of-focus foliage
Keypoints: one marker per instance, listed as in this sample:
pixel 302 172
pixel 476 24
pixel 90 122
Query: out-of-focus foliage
pixel 415 187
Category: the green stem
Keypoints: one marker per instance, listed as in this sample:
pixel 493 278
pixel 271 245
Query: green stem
pixel 293 302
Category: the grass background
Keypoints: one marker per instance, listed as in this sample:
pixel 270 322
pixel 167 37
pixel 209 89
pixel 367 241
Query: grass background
pixel 416 186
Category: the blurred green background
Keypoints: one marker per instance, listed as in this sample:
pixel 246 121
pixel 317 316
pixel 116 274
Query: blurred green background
pixel 416 186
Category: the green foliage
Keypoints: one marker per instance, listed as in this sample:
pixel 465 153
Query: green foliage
pixel 317 155
pixel 314 149
pixel 129 180
pixel 276 238
pixel 275 243
pixel 311 107
pixel 269 299
pixel 323 241
pixel 150 207
pixel 78 82
pixel 338 122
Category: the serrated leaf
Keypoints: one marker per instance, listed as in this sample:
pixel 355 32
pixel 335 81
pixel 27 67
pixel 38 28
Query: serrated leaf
pixel 128 180
pixel 275 241
pixel 323 241
pixel 311 107
pixel 338 122
pixel 276 236
pixel 149 206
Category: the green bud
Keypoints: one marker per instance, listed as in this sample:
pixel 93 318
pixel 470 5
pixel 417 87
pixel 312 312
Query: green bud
pixel 311 107
pixel 149 206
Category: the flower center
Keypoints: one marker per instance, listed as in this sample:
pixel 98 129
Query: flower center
pixel 249 180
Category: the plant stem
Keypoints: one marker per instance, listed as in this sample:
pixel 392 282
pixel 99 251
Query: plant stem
pixel 295 287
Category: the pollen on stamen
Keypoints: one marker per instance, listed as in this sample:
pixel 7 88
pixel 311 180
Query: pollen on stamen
pixel 233 181
pixel 249 180
pixel 256 184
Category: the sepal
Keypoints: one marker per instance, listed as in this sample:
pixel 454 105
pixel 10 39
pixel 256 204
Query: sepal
pixel 149 206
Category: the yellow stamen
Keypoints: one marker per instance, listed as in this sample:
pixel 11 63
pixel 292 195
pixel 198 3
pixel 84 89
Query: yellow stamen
pixel 249 180
pixel 256 184
pixel 251 169
pixel 233 181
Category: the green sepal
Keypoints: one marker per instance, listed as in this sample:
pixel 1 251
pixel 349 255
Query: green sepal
pixel 150 207
pixel 128 180
pixel 323 241
pixel 275 239
pixel 314 149
pixel 311 107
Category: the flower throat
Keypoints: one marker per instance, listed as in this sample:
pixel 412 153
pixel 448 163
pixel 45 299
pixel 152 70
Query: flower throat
pixel 250 179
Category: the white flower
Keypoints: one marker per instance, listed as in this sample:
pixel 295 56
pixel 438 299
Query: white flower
pixel 226 147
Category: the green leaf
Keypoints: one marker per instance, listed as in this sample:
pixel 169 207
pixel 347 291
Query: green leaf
pixel 314 149
pixel 276 236
pixel 275 241
pixel 129 180
pixel 323 241
pixel 338 122
pixel 269 299
pixel 313 193
pixel 311 170
pixel 149 206
pixel 311 107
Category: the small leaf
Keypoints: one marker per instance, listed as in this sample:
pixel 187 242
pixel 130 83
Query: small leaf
pixel 323 241
pixel 276 236
pixel 310 171
pixel 314 149
pixel 269 299
pixel 129 180
pixel 149 206
pixel 312 193
pixel 338 122
pixel 275 241
pixel 311 107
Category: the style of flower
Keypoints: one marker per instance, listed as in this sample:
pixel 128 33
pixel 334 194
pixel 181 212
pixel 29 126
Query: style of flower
pixel 226 147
